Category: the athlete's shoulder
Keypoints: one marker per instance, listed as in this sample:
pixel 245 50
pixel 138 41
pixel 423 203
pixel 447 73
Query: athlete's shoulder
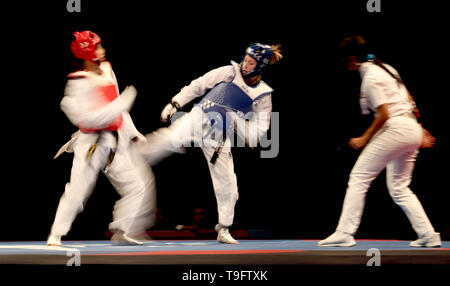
pixel 376 70
pixel 106 66
pixel 265 88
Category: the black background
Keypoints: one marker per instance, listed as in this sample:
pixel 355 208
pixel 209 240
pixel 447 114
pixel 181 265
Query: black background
pixel 161 47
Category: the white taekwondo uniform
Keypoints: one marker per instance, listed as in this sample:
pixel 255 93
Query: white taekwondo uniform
pixel 92 103
pixel 183 131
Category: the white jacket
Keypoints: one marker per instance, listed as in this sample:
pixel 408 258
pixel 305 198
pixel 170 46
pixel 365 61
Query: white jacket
pixel 257 123
pixel 83 105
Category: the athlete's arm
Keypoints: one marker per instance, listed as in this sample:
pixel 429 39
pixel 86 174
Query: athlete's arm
pixel 199 86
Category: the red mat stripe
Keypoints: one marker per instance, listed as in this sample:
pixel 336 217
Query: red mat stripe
pixel 357 239
pixel 201 252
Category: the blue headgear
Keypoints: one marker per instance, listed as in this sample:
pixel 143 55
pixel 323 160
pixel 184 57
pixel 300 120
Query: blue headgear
pixel 262 55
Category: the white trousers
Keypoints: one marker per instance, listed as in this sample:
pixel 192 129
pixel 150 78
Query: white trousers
pixel 192 127
pixel 132 212
pixel 394 147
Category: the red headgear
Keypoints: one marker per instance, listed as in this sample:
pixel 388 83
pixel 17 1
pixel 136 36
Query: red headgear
pixel 84 45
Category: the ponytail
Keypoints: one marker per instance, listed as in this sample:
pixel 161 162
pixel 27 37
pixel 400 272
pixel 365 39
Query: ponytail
pixel 276 54
pixel 379 63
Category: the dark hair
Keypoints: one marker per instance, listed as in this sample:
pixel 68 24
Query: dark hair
pixel 357 46
pixel 354 46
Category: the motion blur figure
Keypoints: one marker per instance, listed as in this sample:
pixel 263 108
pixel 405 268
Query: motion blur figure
pixel 392 141
pixel 92 103
pixel 237 101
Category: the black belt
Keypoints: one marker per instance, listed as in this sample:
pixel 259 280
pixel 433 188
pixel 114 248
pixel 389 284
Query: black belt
pixel 218 148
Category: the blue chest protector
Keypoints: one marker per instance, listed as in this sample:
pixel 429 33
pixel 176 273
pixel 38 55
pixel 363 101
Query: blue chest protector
pixel 235 96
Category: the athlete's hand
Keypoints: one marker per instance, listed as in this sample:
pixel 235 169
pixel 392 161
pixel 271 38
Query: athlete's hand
pixel 168 112
pixel 428 140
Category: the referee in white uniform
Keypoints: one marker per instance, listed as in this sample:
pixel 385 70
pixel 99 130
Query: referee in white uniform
pixel 392 141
